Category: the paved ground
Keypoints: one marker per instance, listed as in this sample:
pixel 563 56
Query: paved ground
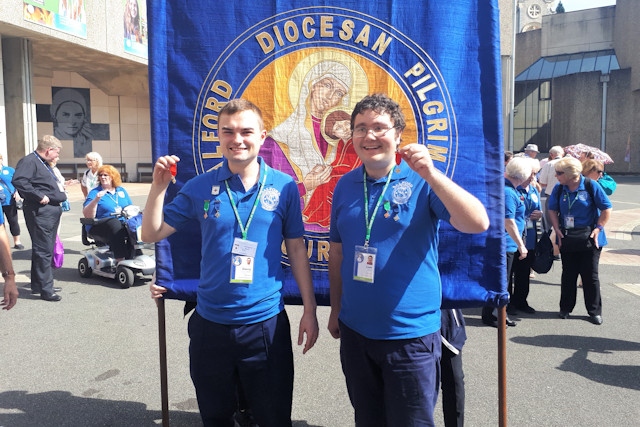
pixel 92 359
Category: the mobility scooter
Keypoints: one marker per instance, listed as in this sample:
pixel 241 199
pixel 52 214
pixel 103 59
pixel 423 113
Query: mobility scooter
pixel 100 260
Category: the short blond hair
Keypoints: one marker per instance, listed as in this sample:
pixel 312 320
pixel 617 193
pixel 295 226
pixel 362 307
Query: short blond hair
pixel 48 141
pixel 570 166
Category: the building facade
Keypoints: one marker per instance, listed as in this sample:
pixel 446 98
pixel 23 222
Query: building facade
pixel 77 70
pixel 577 80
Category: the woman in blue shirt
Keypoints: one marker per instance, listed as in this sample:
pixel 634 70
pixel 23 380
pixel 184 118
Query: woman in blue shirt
pixel 522 267
pixel 579 207
pixel 104 201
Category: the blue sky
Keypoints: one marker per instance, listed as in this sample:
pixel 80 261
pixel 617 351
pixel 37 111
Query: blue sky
pixel 571 5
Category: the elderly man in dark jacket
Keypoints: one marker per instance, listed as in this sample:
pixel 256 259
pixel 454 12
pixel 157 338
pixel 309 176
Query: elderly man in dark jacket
pixel 42 192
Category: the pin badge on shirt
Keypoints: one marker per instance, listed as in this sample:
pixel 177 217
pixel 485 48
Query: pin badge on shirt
pixel 215 190
pixel 387 208
pixel 206 209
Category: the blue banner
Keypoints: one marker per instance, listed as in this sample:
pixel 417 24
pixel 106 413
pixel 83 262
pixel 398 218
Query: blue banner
pixel 306 65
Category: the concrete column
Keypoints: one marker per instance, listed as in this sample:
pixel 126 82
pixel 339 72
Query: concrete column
pixel 20 109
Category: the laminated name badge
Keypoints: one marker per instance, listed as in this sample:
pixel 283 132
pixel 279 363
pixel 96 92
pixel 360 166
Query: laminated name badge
pixel 364 264
pixel 243 255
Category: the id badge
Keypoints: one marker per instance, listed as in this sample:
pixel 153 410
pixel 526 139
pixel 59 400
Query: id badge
pixel 568 221
pixel 529 223
pixel 364 264
pixel 243 255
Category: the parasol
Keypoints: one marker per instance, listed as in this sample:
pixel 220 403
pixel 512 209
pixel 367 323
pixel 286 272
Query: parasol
pixel 599 155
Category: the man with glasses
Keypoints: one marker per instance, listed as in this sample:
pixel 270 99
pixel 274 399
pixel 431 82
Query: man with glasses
pixel 36 182
pixel 387 312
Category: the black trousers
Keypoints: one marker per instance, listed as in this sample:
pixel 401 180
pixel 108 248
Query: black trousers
pixel 11 212
pixel 452 385
pixel 42 223
pixel 521 280
pixel 115 234
pixel 584 264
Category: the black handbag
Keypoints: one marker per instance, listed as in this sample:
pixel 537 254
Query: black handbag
pixel 543 252
pixel 577 240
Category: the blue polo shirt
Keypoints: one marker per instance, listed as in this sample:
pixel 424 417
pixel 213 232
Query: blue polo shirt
pixel 277 217
pixel 6 175
pixel 579 204
pixel 109 202
pixel 531 203
pixel 404 300
pixel 514 208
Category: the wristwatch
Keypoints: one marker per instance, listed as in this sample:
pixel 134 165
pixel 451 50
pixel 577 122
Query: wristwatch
pixel 8 273
pixel 600 227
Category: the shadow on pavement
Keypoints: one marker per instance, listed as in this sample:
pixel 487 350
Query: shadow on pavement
pixel 624 376
pixel 68 410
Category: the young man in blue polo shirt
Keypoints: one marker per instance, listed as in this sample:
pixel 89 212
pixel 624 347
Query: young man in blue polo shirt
pixel 387 315
pixel 239 332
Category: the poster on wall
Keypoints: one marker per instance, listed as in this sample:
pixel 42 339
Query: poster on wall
pixel 63 15
pixel 135 27
pixel 70 113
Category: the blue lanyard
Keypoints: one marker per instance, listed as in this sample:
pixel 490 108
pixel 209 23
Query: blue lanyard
pixel 46 166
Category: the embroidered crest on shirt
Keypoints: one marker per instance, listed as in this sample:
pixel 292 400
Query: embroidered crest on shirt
pixel 269 199
pixel 401 192
pixel 582 195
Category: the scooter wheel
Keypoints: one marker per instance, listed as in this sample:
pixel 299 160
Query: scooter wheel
pixel 83 268
pixel 125 277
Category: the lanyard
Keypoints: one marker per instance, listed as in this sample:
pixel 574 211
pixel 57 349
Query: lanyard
pixel 115 199
pixel 245 229
pixel 569 202
pixel 369 223
pixel 49 168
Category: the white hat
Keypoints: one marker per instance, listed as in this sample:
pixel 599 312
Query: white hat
pixel 531 147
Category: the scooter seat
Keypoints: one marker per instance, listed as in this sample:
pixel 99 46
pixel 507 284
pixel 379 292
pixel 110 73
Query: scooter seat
pixel 87 238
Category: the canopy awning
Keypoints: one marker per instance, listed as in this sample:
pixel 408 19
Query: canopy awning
pixel 561 65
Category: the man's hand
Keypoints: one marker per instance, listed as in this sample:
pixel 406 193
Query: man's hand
pixel 308 326
pixel 333 326
pixel 10 293
pixel 162 170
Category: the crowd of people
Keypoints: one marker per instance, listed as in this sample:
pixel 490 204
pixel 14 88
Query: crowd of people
pixel 37 187
pixel 396 349
pixel 576 209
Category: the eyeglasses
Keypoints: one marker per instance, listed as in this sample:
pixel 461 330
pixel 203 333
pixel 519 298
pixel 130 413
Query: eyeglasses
pixel 559 173
pixel 378 131
pixel 601 172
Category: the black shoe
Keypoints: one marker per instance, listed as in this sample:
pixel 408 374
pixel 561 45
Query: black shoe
pixel 527 309
pixel 52 297
pixel 563 314
pixel 494 322
pixel 556 257
pixel 19 246
pixel 490 321
pixel 596 319
pixel 55 289
pixel 512 310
